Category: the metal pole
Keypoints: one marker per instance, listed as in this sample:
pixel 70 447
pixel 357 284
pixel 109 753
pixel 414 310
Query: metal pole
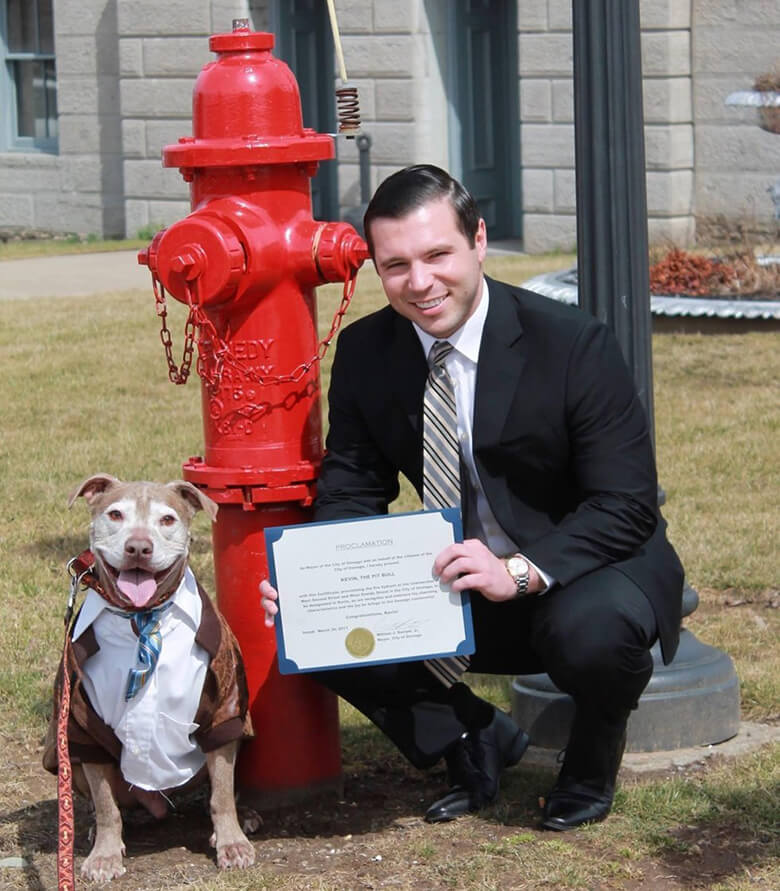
pixel 612 244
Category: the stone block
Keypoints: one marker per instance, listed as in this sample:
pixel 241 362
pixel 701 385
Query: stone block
pixel 735 195
pixel 740 50
pixel 545 55
pixel 664 15
pixel 150 17
pixel 535 100
pixel 175 56
pixel 743 149
pixel 156 98
pixel 393 143
pixel 670 192
pixel 164 213
pixel 669 147
pixel 223 12
pixel 397 16
pixel 560 15
pixel 565 192
pixel 28 172
pixel 134 138
pixel 563 101
pixel 76 54
pixel 73 17
pixel 162 133
pixel 82 214
pixel 131 63
pixel 148 179
pixel 374 56
pixel 394 100
pixel 547 145
pixel 356 16
pixel 663 231
pixel 78 95
pixel 666 53
pixel 532 15
pixel 136 216
pixel 17 209
pixel 549 232
pixel 710 92
pixel 86 173
pixel 730 13
pixel 90 134
pixel 667 100
pixel 537 186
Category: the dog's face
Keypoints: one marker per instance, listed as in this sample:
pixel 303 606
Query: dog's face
pixel 140 534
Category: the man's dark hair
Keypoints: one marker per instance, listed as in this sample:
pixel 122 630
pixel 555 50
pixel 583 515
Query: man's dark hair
pixel 410 188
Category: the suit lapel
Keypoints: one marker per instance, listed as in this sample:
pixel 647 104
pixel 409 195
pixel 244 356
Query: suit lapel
pixel 408 371
pixel 502 359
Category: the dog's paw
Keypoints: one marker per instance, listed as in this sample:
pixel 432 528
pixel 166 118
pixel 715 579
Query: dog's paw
pixel 103 867
pixel 235 854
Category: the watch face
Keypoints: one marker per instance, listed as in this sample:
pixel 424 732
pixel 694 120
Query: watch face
pixel 517 566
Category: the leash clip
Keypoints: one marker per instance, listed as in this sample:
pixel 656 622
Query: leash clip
pixel 75 581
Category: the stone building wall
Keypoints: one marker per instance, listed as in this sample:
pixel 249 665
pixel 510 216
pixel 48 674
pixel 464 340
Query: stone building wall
pixel 126 69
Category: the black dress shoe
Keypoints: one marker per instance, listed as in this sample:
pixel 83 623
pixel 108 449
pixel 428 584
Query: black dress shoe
pixel 474 765
pixel 586 785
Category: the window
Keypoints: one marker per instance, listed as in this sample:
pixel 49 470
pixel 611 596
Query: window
pixel 28 77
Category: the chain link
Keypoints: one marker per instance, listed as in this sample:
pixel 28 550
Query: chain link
pixel 199 326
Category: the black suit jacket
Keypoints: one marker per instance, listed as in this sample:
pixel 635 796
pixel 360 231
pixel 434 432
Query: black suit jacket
pixel 561 441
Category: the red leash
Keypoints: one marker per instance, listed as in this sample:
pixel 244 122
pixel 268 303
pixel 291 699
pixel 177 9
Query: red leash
pixel 80 571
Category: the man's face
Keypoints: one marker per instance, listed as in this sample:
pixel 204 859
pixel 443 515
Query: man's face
pixel 430 273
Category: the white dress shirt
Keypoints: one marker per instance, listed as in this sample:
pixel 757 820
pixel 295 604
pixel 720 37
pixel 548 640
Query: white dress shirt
pixel 155 727
pixel 461 365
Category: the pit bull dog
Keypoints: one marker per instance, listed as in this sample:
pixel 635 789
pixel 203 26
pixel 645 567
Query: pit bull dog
pixel 159 695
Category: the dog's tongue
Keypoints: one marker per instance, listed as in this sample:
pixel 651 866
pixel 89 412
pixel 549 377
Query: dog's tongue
pixel 137 585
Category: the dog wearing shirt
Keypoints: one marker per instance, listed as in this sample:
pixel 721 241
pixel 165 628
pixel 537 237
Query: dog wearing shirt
pixel 158 690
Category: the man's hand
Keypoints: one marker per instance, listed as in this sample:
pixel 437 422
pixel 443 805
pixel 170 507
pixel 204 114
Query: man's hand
pixel 470 565
pixel 268 598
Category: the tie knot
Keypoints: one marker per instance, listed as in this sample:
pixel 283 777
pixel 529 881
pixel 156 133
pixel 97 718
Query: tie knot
pixel 439 352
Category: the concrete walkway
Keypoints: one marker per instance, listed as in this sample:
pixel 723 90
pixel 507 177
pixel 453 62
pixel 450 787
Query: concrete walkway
pixel 72 275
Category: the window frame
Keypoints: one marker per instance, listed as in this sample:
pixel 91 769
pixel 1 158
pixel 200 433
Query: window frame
pixel 10 140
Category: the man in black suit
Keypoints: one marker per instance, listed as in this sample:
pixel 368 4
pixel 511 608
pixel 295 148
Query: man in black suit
pixel 565 553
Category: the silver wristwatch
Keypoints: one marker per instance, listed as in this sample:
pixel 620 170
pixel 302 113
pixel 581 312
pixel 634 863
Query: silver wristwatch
pixel 517 566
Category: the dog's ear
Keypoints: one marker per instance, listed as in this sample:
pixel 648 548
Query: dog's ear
pixel 92 487
pixel 194 497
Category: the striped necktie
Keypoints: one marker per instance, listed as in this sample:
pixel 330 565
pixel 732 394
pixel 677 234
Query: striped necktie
pixel 147 624
pixel 441 469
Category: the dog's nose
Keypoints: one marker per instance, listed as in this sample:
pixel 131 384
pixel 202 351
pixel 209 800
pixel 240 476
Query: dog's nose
pixel 138 547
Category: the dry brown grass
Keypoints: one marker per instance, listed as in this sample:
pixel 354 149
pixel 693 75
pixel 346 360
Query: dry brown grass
pixel 85 389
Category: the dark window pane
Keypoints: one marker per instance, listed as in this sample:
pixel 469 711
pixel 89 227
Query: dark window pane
pixel 36 100
pixel 45 26
pixel 21 26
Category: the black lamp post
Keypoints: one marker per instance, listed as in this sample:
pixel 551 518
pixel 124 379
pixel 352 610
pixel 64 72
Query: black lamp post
pixel 694 700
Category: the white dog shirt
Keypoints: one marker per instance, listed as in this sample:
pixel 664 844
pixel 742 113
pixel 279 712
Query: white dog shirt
pixel 155 727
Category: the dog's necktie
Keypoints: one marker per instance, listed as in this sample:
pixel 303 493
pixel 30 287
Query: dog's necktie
pixel 147 624
pixel 441 469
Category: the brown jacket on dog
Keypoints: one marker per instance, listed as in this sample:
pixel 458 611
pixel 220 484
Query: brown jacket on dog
pixel 223 713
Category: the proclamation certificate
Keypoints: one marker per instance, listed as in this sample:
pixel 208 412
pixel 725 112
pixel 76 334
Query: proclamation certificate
pixel 362 591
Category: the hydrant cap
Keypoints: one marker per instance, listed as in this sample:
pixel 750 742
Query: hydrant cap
pixel 241 40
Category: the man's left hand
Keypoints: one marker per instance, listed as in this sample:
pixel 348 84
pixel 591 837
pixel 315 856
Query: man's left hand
pixel 470 565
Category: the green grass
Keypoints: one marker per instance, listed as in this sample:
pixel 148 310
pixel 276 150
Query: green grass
pixel 46 247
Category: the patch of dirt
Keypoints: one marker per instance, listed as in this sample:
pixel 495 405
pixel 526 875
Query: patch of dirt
pixel 374 837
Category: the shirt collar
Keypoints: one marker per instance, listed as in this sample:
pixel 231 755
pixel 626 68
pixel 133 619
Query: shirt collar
pixel 466 340
pixel 185 599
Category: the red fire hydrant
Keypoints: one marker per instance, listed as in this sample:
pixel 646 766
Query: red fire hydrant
pixel 246 261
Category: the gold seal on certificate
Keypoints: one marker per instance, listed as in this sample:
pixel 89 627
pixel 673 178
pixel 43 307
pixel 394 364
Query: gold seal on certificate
pixel 359 643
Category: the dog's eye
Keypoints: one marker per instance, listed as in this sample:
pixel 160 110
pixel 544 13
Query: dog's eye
pixel 167 520
pixel 115 515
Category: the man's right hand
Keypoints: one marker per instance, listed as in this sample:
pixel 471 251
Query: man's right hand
pixel 268 598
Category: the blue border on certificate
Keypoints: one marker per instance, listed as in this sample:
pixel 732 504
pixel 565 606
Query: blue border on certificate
pixel 287 666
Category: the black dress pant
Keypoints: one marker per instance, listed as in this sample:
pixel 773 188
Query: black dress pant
pixel 592 637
